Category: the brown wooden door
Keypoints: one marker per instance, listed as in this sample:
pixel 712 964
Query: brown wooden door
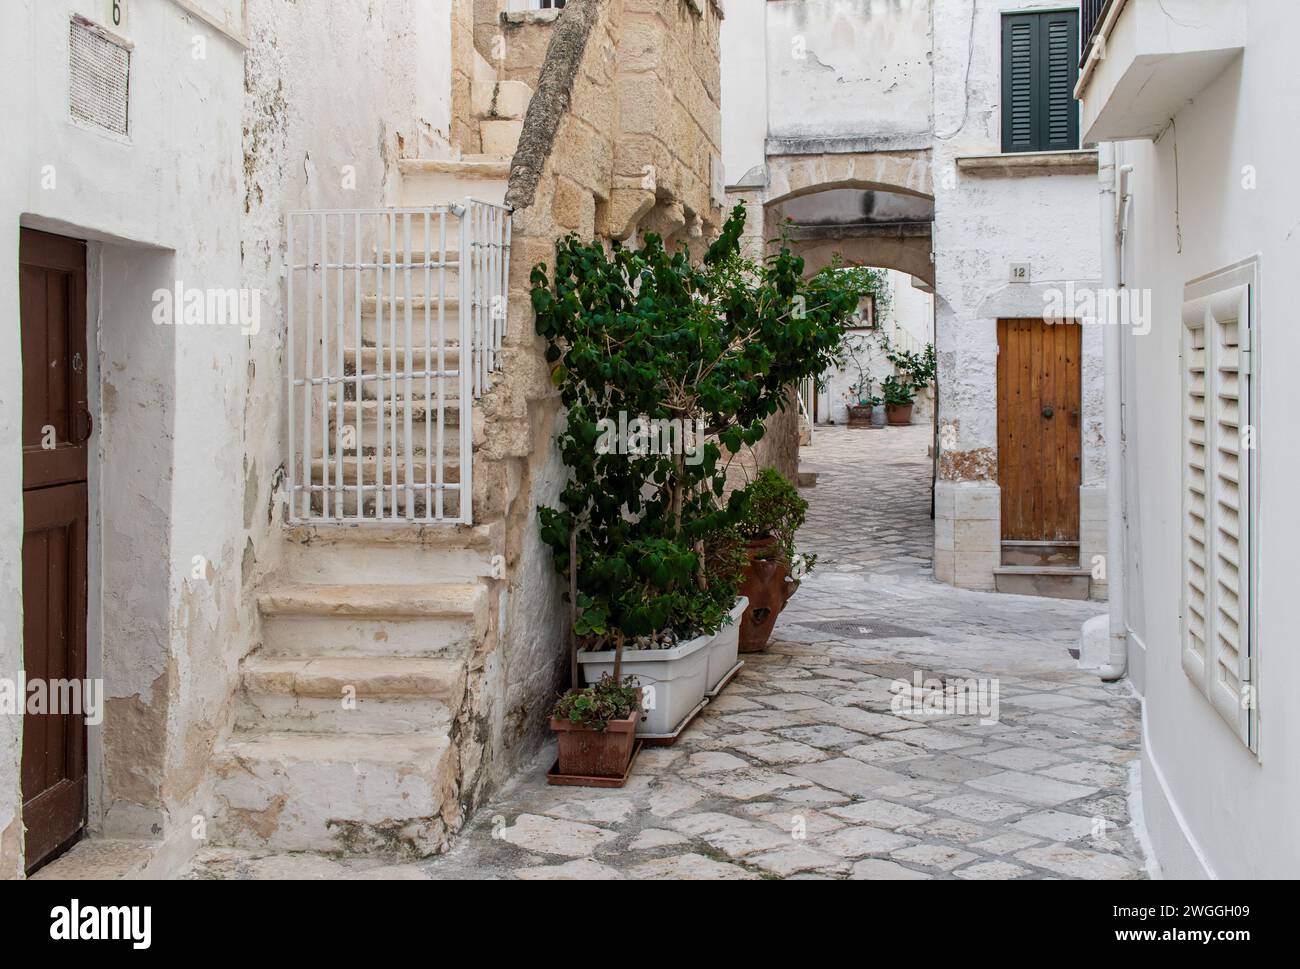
pixel 1040 442
pixel 56 431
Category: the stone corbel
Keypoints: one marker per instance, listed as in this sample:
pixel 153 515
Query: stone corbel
pixel 628 205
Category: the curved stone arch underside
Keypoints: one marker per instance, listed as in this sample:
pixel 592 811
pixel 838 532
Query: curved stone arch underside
pixel 906 172
pixel 907 254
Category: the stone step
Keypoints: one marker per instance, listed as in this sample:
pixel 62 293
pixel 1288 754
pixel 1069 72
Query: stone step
pixel 1040 553
pixel 328 553
pixel 422 507
pixel 365 416
pixel 440 182
pixel 326 619
pixel 500 136
pixel 1051 581
pixel 366 470
pixel 291 791
pixel 350 694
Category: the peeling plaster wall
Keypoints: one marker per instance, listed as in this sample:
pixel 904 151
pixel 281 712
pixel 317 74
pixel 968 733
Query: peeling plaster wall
pixel 188 424
pixel 982 226
pixel 856 70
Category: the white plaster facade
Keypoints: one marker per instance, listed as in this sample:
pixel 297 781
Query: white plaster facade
pixel 1209 186
pixel 888 107
pixel 239 112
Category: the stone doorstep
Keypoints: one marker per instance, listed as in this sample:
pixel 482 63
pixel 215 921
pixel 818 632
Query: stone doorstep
pixel 1050 581
pixel 103 859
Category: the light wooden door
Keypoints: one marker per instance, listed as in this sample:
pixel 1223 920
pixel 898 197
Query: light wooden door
pixel 1040 443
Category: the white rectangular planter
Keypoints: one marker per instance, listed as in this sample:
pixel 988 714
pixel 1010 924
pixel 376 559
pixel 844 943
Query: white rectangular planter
pixel 726 646
pixel 674 680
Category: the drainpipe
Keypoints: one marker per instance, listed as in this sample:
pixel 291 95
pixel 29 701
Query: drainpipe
pixel 1113 346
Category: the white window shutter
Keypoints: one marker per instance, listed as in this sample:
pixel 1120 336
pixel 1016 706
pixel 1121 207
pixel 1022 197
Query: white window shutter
pixel 1196 502
pixel 1218 510
pixel 1230 674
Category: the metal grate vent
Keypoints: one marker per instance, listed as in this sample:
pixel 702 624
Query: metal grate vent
pixel 99 78
pixel 864 628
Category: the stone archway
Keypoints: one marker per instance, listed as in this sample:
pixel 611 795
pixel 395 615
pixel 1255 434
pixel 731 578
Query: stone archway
pixel 905 172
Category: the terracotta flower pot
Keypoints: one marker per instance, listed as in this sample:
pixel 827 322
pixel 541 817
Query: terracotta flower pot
pixel 767 588
pixel 587 752
pixel 860 415
pixel 899 414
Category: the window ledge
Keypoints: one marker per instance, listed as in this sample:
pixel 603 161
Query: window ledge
pixel 1021 164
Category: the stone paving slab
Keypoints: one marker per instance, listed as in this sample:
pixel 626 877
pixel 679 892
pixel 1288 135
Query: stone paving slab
pixel 804 768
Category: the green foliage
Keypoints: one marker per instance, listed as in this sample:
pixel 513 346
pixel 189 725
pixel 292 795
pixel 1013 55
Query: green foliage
pixel 869 283
pixel 859 391
pixel 773 508
pixel 897 393
pixel 597 705
pixel 916 370
pixel 648 334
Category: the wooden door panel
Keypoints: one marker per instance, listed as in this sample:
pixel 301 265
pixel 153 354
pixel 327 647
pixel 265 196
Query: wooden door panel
pixel 1040 446
pixel 56 430
pixel 52 286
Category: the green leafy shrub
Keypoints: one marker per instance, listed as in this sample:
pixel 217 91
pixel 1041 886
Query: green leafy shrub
pixel 898 393
pixel 595 706
pixel 773 508
pixel 710 347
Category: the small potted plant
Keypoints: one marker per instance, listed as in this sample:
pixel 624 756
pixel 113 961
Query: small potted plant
pixel 861 401
pixel 773 513
pixel 861 413
pixel 596 729
pixel 899 400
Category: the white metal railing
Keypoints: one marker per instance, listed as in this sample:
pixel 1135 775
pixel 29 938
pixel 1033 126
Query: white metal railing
pixel 394 322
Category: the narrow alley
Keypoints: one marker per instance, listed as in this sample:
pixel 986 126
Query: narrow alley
pixel 802 769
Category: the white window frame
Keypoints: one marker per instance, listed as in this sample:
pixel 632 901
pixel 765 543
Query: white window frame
pixel 1226 298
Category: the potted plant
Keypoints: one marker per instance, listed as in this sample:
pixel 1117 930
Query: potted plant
pixel 913 372
pixel 596 729
pixel 861 401
pixel 773 513
pixel 899 400
pixel 662 364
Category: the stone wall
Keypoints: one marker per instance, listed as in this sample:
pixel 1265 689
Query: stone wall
pixel 625 86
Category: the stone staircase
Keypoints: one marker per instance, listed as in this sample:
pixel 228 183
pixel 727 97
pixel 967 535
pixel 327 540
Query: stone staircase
pixel 348 718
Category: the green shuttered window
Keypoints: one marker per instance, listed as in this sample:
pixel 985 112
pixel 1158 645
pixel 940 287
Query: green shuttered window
pixel 1040 57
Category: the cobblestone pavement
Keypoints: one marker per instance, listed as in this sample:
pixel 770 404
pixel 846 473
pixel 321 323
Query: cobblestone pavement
pixel 805 767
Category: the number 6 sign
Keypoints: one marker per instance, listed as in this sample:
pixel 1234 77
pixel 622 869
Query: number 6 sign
pixel 117 12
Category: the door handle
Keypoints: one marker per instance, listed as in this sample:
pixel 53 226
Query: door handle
pixel 85 426
pixel 1048 412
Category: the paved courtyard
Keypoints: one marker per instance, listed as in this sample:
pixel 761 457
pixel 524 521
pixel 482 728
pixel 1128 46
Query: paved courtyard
pixel 808 765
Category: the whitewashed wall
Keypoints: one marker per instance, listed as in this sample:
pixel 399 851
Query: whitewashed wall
pixel 223 141
pixel 849 69
pixel 1211 806
pixel 982 226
